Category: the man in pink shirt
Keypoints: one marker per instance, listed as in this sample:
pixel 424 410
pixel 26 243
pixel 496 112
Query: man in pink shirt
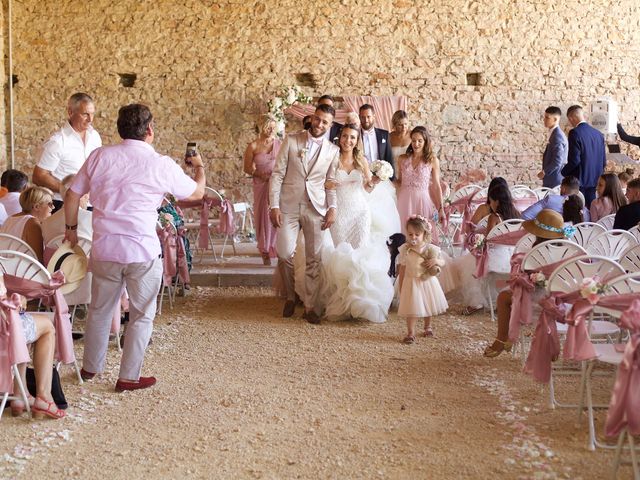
pixel 127 183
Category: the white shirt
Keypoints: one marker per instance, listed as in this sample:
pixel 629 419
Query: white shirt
pixel 65 152
pixel 3 215
pixel 370 142
pixel 312 146
pixel 11 203
pixel 54 225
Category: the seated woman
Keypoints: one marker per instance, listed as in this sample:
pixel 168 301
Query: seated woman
pixel 36 203
pixel 39 331
pixel 610 197
pixel 549 226
pixel 484 209
pixel 501 208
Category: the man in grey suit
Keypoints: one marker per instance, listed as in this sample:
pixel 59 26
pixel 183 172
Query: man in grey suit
pixel 298 200
pixel 555 155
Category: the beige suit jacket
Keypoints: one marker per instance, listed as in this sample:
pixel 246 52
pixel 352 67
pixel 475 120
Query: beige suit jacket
pixel 293 178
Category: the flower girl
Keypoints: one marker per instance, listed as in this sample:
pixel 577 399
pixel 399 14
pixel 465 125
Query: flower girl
pixel 421 295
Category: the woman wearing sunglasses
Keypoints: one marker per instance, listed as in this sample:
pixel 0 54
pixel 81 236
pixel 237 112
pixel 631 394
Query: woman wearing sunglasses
pixel 36 203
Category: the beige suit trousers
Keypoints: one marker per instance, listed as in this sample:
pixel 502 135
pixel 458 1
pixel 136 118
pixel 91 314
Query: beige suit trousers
pixel 310 221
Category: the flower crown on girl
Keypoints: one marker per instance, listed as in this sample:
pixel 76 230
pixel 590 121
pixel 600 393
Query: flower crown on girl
pixel 425 224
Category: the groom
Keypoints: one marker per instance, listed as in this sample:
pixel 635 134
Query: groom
pixel 299 200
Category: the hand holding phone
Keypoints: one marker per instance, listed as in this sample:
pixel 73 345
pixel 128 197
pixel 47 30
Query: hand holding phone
pixel 192 151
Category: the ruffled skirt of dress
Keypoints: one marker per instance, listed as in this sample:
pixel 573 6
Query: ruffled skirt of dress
pixel 421 298
pixel 355 281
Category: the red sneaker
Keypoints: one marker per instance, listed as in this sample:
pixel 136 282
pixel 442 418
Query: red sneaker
pixel 143 382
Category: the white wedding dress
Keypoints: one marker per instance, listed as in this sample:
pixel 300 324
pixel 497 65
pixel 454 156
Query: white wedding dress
pixel 354 268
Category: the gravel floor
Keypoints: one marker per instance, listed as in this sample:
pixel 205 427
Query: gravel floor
pixel 244 393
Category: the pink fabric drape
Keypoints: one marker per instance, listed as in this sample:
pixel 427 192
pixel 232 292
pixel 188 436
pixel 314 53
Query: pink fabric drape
pixel 545 347
pixel 51 296
pixel 384 107
pixel 624 407
pixel 482 255
pixel 227 225
pixel 203 237
pixel 174 256
pixel 13 346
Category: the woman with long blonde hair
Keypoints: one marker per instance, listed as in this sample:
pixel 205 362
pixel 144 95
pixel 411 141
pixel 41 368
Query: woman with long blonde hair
pixel 259 160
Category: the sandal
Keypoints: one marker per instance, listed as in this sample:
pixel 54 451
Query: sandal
pixel 491 352
pixel 409 339
pixel 39 413
pixel 428 332
pixel 471 310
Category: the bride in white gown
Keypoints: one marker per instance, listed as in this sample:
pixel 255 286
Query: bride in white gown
pixel 355 277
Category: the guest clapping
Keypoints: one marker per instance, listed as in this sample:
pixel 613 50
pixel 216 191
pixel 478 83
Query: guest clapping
pixel 36 203
pixel 259 159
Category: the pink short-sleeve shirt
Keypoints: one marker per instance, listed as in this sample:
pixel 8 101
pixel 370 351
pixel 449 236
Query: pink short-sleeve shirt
pixel 127 183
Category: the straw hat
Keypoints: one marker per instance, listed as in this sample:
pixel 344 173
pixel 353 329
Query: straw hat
pixel 547 224
pixel 72 262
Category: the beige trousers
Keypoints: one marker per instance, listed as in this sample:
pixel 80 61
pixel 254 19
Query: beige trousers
pixel 143 284
pixel 310 221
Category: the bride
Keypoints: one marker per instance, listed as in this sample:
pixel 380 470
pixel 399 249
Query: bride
pixel 355 282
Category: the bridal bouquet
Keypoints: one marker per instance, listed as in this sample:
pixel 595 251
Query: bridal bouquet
pixel 381 169
pixel 591 288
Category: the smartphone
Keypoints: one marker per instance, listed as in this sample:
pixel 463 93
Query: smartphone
pixel 192 151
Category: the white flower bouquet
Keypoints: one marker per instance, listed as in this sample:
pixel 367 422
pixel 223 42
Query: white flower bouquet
pixel 381 169
pixel 478 241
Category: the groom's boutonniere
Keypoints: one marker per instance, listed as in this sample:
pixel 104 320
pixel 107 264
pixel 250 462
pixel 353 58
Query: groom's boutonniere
pixel 303 153
pixel 384 140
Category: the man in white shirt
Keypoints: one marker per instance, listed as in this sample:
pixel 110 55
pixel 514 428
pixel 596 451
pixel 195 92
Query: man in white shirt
pixel 67 149
pixel 15 182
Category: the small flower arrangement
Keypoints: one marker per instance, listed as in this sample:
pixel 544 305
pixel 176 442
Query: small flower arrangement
pixel 381 169
pixel 303 153
pixel 478 241
pixel 538 279
pixel 165 219
pixel 288 96
pixel 591 288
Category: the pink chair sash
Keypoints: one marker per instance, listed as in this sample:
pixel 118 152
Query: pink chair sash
pixel 624 407
pixel 203 237
pixel 183 266
pixel 51 296
pixel 174 255
pixel 463 205
pixel 482 256
pixel 522 289
pixel 13 347
pixel 226 226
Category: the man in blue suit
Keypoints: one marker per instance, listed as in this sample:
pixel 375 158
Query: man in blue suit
pixel 555 155
pixel 587 158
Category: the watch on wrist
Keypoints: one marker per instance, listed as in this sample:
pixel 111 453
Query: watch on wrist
pixel 71 227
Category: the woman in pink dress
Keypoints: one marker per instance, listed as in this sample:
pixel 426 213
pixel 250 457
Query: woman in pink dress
pixel 418 177
pixel 259 159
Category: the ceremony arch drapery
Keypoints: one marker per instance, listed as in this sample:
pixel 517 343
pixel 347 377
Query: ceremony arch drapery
pixel 383 106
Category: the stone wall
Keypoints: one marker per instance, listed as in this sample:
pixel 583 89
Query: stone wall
pixel 207 68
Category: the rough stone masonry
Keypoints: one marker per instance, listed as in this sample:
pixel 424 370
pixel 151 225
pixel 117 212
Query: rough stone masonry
pixel 207 69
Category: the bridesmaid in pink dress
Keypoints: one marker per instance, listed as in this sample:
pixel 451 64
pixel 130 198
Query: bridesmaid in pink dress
pixel 259 159
pixel 418 177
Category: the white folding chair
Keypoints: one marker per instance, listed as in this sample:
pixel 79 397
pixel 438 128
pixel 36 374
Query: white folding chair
pixel 635 231
pixel 612 244
pixel 541 192
pixel 9 242
pixel 549 252
pixel 585 231
pixel 523 196
pixel 455 219
pixel 21 265
pixel 525 243
pixel 607 222
pixel 630 259
pixel 493 276
pixel 568 278
pixel 607 353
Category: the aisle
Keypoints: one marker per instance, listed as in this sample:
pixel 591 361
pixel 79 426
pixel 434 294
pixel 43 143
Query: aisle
pixel 243 393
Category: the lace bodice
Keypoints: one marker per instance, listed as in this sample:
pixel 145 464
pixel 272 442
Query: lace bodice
pixel 353 218
pixel 418 177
